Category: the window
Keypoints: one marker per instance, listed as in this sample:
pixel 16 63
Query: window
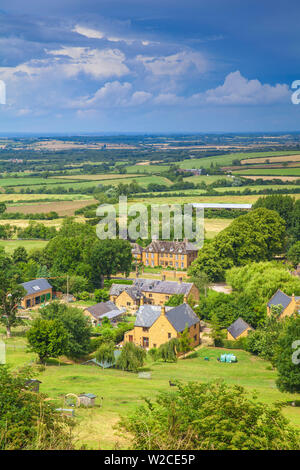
pixel 128 303
pixel 145 342
pixel 150 295
pixel 130 338
pixel 169 335
pixel 195 338
pixel 167 297
pixel 145 328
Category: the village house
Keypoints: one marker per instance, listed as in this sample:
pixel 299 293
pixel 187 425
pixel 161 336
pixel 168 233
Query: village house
pixel 136 251
pixel 37 292
pixel 174 254
pixel 156 325
pixel 150 291
pixel 289 304
pixel 98 312
pixel 125 296
pixel 238 329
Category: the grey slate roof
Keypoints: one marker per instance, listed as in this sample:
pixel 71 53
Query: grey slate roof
pixel 182 316
pixel 280 298
pixel 148 314
pixel 163 287
pixel 105 309
pixel 238 327
pixel 36 285
pixel 163 246
pixel 179 316
pixel 116 289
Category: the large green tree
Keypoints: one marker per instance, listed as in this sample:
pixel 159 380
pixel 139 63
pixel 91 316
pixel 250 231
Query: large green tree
pixel 108 257
pixel 132 357
pixel 288 357
pixel 282 204
pixel 27 421
pixel 75 323
pixel 47 338
pixel 255 236
pixel 209 416
pixel 11 295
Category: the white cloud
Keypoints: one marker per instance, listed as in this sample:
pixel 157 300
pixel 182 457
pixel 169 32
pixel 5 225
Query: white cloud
pixel 238 90
pixel 70 62
pixel 175 64
pixel 88 32
pixel 113 94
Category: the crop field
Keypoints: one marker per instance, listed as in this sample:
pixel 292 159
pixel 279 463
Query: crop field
pixel 65 208
pixel 123 392
pixel 270 178
pixel 107 176
pixel 20 197
pixel 214 226
pixel 245 199
pixel 270 172
pixel 282 158
pixel 25 181
pixel 225 160
pixel 147 168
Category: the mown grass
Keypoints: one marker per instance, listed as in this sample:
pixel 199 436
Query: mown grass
pixel 122 391
pixel 29 245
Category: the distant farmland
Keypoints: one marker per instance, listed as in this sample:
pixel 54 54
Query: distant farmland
pixel 278 172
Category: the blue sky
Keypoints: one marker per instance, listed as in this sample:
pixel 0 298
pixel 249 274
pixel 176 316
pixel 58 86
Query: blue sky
pixel 149 66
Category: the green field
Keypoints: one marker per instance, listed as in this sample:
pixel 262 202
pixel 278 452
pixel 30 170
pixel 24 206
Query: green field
pixel 122 391
pixel 226 160
pixel 11 245
pixel 66 183
pixel 147 168
pixel 270 172
pixel 4 182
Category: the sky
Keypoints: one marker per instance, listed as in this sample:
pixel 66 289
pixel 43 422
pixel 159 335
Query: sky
pixel 148 66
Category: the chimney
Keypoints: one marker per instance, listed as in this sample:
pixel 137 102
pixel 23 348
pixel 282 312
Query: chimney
pixel 293 297
pixel 163 310
pixel 185 299
pixel 142 300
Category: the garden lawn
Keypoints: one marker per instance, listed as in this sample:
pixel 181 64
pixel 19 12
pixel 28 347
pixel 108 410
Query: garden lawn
pixel 122 391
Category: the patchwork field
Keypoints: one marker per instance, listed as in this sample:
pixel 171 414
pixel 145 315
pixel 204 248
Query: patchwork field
pixel 283 158
pixel 270 172
pixel 122 391
pixel 62 208
pixel 225 160
pixel 29 245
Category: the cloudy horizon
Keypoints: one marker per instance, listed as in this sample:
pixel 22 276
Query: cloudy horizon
pixel 113 66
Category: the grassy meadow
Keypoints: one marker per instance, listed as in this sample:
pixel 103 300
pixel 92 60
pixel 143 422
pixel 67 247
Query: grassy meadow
pixel 122 391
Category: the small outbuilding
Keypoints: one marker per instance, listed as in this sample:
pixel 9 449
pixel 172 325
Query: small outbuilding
pixel 238 329
pixel 87 399
pixel 33 385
